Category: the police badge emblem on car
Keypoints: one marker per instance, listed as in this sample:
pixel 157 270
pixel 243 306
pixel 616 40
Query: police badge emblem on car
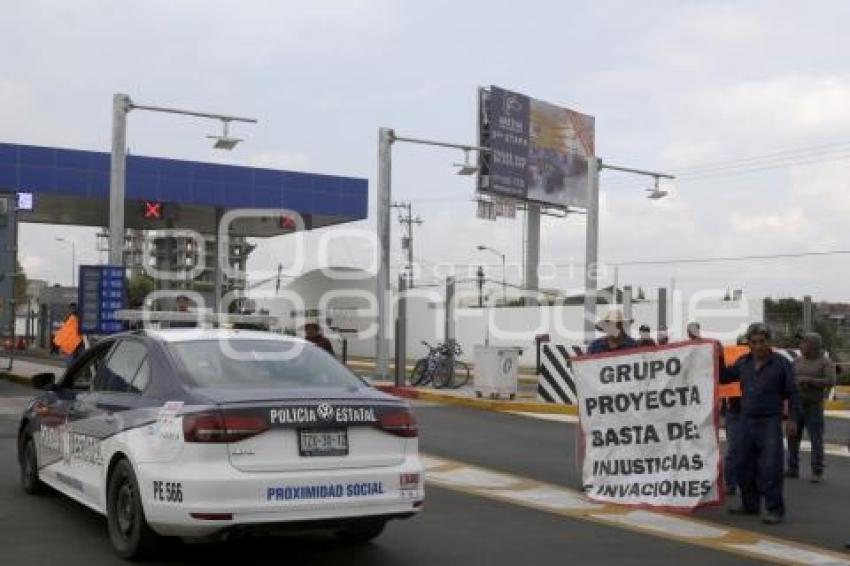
pixel 325 411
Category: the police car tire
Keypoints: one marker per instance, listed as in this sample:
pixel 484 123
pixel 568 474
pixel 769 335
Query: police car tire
pixel 135 540
pixel 29 468
pixel 361 532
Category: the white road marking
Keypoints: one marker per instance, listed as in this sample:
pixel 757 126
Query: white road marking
pixel 550 497
pixel 838 414
pixel 472 477
pixel 555 417
pixel 787 553
pixel 572 503
pixel 13 406
pixel 664 524
pixel 431 463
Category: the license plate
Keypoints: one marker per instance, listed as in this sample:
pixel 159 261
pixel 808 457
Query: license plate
pixel 324 442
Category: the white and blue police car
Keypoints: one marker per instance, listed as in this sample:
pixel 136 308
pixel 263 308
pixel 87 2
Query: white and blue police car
pixel 197 433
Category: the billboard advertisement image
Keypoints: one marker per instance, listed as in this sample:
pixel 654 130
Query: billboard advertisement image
pixel 539 151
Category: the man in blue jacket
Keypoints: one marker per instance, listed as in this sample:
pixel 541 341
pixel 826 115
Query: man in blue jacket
pixel 767 381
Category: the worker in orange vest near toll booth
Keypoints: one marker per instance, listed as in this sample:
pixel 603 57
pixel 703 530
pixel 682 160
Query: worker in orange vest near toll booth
pixel 68 338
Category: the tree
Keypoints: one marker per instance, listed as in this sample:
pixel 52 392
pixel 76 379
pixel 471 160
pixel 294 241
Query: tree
pixel 139 286
pixel 788 307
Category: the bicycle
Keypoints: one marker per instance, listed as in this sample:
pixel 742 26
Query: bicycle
pixel 440 367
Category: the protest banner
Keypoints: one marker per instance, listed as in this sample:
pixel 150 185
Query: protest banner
pixel 649 426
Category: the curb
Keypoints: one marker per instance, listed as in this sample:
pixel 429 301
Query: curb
pixel 355 365
pixel 514 406
pixel 15 378
pixel 483 404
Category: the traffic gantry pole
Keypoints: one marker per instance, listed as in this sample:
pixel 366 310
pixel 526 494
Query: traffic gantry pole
pixel 532 247
pixel 386 137
pixel 121 105
pixel 223 255
pixel 382 283
pixel 591 257
pixel 591 250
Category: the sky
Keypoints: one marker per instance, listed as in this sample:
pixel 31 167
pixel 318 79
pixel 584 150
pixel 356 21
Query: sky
pixel 672 86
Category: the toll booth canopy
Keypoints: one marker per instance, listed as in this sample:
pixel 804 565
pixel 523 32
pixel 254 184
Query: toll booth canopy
pixel 68 186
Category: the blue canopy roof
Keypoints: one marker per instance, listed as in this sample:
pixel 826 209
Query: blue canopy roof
pixel 49 172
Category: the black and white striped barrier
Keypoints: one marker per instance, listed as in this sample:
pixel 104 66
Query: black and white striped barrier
pixel 556 381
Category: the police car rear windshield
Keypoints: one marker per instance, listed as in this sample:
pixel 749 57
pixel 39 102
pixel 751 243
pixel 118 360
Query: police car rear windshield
pixel 261 364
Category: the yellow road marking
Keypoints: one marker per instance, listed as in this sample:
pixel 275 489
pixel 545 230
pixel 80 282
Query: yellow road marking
pixel 571 503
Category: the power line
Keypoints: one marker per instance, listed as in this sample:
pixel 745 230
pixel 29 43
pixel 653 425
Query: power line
pixel 777 160
pixel 799 152
pixel 791 255
pixel 766 166
pixel 731 258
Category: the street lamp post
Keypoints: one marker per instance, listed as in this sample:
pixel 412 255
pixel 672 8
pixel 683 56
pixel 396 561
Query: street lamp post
pixel 504 270
pixel 73 259
pixel 121 106
pixel 386 139
pixel 591 252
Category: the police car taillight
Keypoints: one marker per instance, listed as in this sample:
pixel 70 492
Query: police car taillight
pixel 400 423
pixel 216 427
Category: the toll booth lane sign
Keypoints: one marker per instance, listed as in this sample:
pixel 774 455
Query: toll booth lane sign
pixel 100 296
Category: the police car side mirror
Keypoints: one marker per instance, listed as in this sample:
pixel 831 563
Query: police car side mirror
pixel 44 381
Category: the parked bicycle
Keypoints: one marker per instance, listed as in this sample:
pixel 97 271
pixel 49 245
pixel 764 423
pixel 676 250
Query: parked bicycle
pixel 440 367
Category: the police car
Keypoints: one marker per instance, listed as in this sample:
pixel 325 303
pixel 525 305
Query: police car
pixel 196 433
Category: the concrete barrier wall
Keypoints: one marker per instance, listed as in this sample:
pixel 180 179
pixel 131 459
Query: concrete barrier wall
pixel 517 326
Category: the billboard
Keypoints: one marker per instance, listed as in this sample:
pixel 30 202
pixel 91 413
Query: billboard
pixel 539 151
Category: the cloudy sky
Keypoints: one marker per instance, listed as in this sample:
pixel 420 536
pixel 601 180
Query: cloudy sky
pixel 674 86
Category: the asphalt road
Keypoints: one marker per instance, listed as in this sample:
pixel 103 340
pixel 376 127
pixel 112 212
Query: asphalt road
pixel 454 528
pixel 817 514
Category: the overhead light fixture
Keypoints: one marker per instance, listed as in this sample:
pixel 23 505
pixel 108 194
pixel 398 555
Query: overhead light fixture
pixel 466 168
pixel 655 193
pixel 225 141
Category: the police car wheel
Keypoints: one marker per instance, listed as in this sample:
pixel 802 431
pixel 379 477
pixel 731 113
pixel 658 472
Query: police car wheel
pixel 129 533
pixel 361 532
pixel 29 468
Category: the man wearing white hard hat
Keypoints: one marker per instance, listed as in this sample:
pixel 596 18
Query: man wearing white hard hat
pixel 615 326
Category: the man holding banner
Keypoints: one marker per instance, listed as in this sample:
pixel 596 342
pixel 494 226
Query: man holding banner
pixel 615 327
pixel 767 381
pixel 649 424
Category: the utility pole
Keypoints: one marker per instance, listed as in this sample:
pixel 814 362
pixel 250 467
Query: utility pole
pixel 480 277
pixel 407 240
pixel 482 247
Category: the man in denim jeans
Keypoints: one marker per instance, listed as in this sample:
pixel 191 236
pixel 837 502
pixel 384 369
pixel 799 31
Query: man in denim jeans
pixel 767 381
pixel 815 375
